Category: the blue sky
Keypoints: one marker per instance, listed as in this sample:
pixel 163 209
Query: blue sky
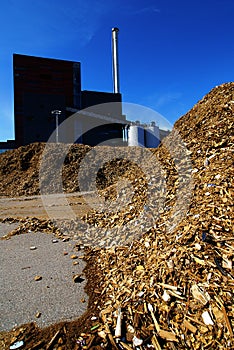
pixel 171 52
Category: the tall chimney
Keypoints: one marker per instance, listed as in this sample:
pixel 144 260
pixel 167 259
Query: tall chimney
pixel 115 60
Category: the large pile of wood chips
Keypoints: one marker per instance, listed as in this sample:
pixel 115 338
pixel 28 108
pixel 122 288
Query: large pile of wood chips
pixel 168 283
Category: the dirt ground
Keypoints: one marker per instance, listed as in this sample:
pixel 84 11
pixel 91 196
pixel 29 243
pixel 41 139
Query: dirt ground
pixel 32 206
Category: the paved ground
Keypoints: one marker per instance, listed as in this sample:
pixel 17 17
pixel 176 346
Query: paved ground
pixel 56 297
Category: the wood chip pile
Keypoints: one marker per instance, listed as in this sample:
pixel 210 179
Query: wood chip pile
pixel 175 290
pixel 19 169
pixel 171 285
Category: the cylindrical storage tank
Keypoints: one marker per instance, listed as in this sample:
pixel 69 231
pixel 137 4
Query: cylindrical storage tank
pixel 136 136
pixel 152 139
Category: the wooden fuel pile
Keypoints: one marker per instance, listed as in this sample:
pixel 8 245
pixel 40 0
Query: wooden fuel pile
pixel 171 286
pixel 175 290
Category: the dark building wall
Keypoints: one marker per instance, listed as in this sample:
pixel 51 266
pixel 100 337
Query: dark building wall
pixel 91 98
pixel 100 131
pixel 7 145
pixel 110 134
pixel 95 132
pixel 40 86
pixel 39 123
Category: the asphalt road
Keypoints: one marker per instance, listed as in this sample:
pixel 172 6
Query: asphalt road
pixel 53 298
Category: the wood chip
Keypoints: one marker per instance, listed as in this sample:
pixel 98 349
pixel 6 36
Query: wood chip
pixel 189 326
pixel 38 278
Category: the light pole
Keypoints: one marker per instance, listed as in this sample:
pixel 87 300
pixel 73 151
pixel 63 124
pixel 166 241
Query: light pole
pixel 57 113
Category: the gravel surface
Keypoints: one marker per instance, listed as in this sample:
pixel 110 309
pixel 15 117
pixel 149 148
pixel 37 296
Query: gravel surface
pixel 55 297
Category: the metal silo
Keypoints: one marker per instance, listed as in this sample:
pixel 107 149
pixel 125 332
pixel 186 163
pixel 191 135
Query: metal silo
pixel 152 139
pixel 136 136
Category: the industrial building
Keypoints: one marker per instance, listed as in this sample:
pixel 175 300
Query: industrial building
pixel 42 85
pixel 48 91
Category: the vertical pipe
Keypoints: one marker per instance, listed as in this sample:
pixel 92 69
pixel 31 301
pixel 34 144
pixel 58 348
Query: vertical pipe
pixel 115 60
pixel 123 133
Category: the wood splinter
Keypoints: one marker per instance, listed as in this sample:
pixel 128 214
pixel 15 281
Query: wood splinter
pixel 167 335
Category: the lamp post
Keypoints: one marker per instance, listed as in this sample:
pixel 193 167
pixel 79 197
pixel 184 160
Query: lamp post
pixel 56 112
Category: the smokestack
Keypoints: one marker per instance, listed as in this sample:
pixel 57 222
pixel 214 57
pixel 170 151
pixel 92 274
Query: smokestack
pixel 115 60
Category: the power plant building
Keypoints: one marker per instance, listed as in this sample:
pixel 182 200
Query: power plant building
pixel 48 92
pixel 42 85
